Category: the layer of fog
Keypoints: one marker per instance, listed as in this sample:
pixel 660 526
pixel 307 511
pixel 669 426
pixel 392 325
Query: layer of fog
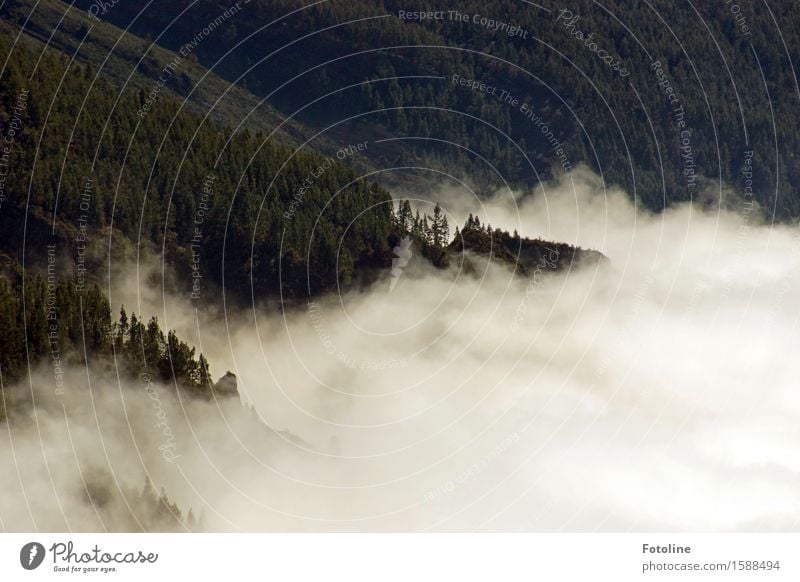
pixel 657 392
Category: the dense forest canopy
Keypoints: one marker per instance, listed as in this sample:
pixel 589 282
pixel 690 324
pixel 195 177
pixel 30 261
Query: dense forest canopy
pixel 87 160
pixel 513 84
pixel 86 165
pixel 698 96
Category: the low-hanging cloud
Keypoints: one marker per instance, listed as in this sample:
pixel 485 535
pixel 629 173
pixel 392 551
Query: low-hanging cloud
pixel 653 392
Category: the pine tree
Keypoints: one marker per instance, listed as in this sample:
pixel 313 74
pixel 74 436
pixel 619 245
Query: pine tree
pixel 427 235
pixel 121 332
pixel 440 229
pixel 153 345
pixel 135 345
pixel 416 227
pixel 204 380
pixel 404 216
pixel 436 226
pixel 178 362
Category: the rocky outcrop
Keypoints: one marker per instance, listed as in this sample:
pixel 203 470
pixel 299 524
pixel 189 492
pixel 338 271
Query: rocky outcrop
pixel 227 385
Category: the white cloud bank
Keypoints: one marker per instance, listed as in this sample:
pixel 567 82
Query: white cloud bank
pixel 658 392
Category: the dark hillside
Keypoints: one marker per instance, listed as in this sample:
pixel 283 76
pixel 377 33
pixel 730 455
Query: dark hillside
pixel 684 94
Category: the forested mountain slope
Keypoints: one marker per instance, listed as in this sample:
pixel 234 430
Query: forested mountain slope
pixel 84 161
pixel 679 97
